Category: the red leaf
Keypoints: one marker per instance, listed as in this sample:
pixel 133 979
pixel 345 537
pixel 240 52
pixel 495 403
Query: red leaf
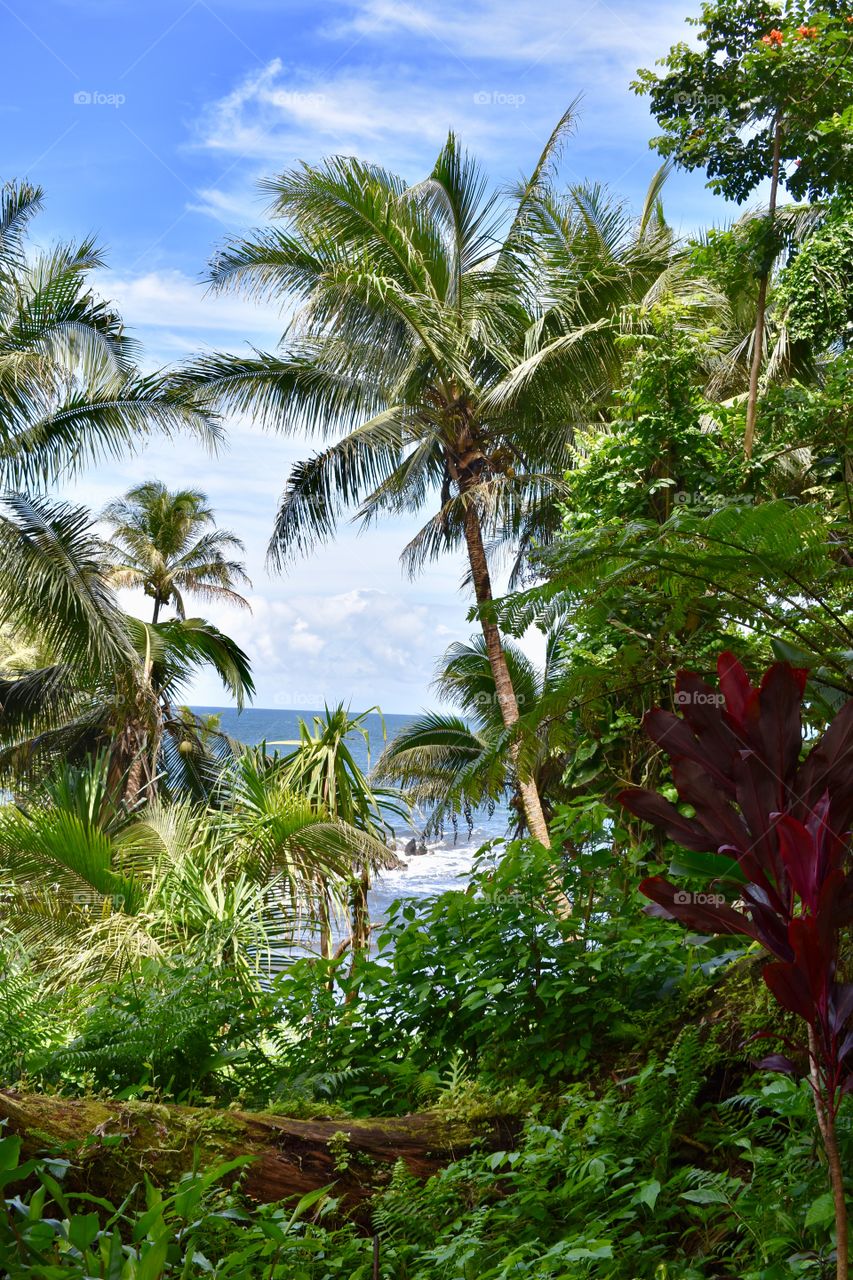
pixel 713 810
pixel 780 725
pixel 655 808
pixel 829 767
pixel 673 735
pixel 790 988
pixel 734 685
pixel 707 917
pixel 841 1004
pixel 798 853
pixel 777 1062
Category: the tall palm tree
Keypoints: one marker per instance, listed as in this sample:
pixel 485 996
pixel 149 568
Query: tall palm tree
pixel 166 542
pixel 97 678
pixel 416 318
pixel 69 390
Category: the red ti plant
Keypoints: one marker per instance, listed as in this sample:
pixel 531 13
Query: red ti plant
pixel 772 835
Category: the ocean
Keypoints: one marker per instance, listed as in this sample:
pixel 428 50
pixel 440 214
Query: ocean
pixel 448 860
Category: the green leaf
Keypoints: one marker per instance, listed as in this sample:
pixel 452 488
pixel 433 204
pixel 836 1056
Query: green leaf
pixel 821 1212
pixel 704 1195
pixel 82 1230
pixel 10 1151
pixel 648 1193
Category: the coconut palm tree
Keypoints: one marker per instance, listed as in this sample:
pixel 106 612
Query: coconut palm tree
pixel 410 346
pixel 323 768
pixel 69 390
pixel 166 543
pixel 452 764
pixel 98 679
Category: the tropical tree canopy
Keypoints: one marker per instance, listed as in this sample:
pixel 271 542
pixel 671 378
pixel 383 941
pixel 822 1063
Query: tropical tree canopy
pixel 167 544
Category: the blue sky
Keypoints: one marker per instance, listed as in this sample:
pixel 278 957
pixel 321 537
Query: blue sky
pixel 150 125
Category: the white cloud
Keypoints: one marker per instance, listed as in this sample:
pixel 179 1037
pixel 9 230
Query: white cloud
pixel 534 32
pixel 173 300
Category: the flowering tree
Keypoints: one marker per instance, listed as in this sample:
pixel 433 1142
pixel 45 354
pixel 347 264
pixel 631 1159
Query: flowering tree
pixel 768 93
pixel 772 836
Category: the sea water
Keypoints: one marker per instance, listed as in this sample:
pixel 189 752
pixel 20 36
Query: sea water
pixel 449 858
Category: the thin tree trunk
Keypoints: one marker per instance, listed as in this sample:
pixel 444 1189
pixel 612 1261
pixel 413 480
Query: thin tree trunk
pixel 761 309
pixel 156 609
pixel 529 792
pixel 360 914
pixel 826 1124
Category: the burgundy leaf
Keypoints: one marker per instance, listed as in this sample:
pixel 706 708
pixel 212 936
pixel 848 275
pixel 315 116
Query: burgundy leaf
pixel 658 810
pixel 790 988
pixel 829 767
pixel 673 735
pixel 777 1062
pixel 704 916
pixel 845 1046
pixel 781 724
pixel 734 685
pixel 771 930
pixel 713 810
pixel 841 1005
pixel 701 707
pixel 756 795
pixel 755 875
pixel 798 852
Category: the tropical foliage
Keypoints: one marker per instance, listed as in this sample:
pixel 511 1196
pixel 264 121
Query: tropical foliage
pixel 640 444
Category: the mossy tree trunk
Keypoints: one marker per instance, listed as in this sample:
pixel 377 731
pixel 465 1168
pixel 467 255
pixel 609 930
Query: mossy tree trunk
pixel 287 1157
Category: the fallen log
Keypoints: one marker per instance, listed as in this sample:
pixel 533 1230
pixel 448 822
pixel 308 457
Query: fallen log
pixel 112 1144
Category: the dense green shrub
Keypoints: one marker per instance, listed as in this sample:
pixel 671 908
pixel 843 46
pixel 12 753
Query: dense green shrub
pixel 492 977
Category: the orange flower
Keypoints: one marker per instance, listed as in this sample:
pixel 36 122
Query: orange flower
pixel 807 33
pixel 774 38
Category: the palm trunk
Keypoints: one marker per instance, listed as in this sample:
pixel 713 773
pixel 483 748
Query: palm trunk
pixel 761 309
pixel 360 914
pixel 528 790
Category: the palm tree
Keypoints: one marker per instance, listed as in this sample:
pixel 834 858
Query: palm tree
pixel 452 764
pixel 323 768
pixel 166 543
pixel 88 890
pixel 69 391
pixel 97 678
pixel 412 341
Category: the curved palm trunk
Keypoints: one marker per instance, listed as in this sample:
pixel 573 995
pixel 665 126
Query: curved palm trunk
pixel 529 792
pixel 761 309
